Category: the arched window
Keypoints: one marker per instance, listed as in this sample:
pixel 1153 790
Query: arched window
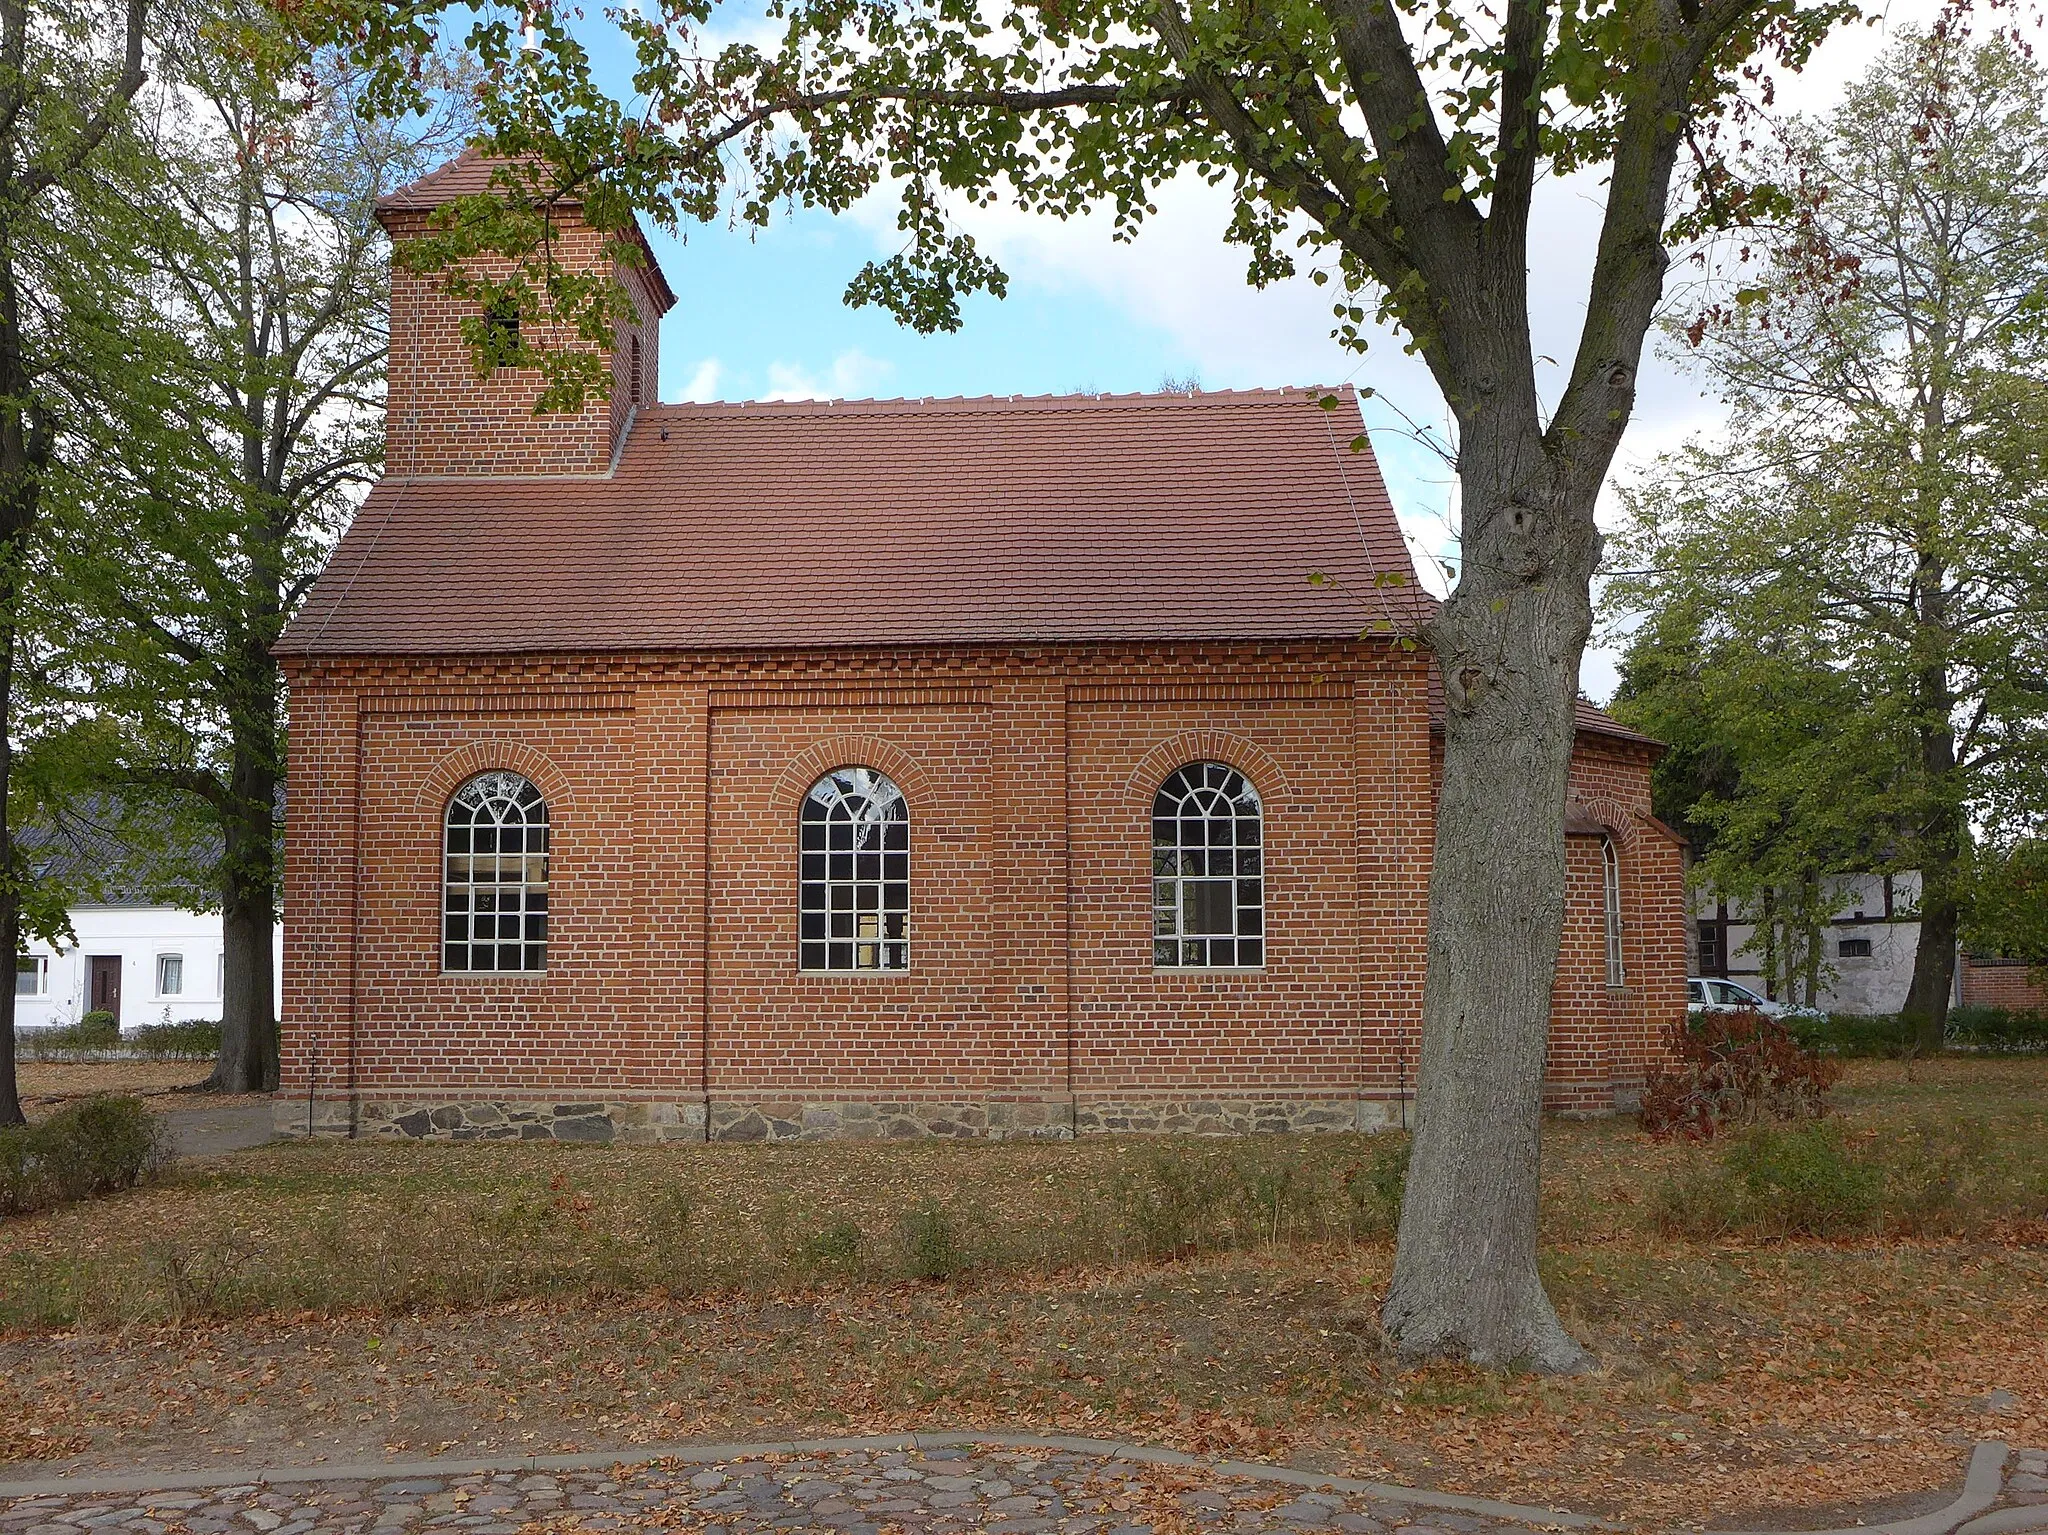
pixel 1208 871
pixel 1610 892
pixel 494 910
pixel 854 874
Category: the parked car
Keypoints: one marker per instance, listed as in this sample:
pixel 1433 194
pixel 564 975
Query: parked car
pixel 1714 995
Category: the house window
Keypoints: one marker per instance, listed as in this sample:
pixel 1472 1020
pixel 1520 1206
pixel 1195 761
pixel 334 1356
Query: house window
pixel 1713 951
pixel 170 975
pixel 1853 948
pixel 501 329
pixel 853 874
pixel 495 897
pixel 1610 889
pixel 1208 874
pixel 31 975
pixel 633 382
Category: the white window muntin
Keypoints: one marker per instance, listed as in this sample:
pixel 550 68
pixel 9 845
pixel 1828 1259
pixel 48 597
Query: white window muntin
pixel 853 874
pixel 494 905
pixel 1208 870
pixel 1610 900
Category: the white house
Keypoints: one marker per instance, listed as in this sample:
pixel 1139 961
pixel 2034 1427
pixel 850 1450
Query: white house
pixel 143 964
pixel 138 954
pixel 1867 945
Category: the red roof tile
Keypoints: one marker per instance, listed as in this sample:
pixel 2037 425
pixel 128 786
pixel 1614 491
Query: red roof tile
pixel 889 522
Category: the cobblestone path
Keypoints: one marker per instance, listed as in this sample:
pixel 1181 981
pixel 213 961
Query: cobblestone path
pixel 928 1492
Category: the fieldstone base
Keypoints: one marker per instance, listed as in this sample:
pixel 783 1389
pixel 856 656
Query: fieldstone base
pixel 832 1120
pixel 495 1120
pixel 1231 1116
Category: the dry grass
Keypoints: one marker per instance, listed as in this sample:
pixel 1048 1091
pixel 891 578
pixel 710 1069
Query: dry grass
pixel 422 1297
pixel 48 1085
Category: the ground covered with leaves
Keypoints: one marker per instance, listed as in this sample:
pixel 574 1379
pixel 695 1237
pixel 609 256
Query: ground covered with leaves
pixel 47 1086
pixel 1796 1326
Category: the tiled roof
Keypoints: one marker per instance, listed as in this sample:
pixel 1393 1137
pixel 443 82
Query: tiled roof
pixel 890 522
pixel 474 173
pixel 470 174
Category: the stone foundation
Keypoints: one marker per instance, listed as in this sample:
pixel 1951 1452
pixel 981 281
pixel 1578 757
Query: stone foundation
pixel 1231 1116
pixel 1026 1119
pixel 494 1120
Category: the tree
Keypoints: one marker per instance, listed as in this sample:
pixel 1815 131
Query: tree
pixel 235 463
pixel 1399 146
pixel 1781 772
pixel 68 73
pixel 1881 489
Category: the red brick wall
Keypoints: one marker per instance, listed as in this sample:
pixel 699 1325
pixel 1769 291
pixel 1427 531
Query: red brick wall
pixel 442 418
pixel 2003 983
pixel 674 784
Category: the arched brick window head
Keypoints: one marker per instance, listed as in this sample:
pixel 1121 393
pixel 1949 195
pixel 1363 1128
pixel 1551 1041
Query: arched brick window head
pixel 854 874
pixel 1610 894
pixel 494 909
pixel 1208 870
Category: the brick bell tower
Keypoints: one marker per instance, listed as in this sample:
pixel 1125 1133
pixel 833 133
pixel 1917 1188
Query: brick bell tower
pixel 442 419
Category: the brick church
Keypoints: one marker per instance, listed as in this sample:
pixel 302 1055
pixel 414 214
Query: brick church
pixel 904 767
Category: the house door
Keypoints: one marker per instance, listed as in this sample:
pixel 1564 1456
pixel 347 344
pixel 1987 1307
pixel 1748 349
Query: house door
pixel 106 985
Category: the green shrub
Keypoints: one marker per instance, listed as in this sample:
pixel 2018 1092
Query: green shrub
pixel 1377 1185
pixel 97 1146
pixel 1998 1030
pixel 1806 1181
pixel 92 1033
pixel 1943 1176
pixel 1170 1199
pixel 836 1246
pixel 1883 1035
pixel 196 1040
pixel 930 1248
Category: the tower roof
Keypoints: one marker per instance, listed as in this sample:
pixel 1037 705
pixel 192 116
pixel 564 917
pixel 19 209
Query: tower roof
pixel 473 173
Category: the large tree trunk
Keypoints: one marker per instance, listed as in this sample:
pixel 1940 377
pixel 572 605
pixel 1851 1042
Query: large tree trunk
pixel 24 448
pixel 248 1032
pixel 1508 644
pixel 1942 833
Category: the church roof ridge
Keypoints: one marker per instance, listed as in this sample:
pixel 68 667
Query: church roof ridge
pixel 1074 400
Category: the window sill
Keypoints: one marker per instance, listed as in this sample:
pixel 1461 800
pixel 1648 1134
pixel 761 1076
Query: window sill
pixel 1201 970
pixel 853 975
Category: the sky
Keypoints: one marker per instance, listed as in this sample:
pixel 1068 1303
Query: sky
pixel 760 315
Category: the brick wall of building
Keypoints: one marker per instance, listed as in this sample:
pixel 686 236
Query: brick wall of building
pixel 1032 1004
pixel 2006 983
pixel 443 418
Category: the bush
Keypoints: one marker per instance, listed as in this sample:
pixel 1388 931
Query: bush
pixel 1377 1186
pixel 98 1146
pixel 930 1250
pixel 1882 1035
pixel 1998 1030
pixel 1817 1180
pixel 92 1033
pixel 197 1040
pixel 1736 1068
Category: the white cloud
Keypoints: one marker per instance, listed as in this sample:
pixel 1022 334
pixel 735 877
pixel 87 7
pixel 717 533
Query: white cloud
pixel 704 381
pixel 852 374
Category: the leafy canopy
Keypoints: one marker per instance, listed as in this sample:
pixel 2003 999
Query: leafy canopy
pixel 1392 147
